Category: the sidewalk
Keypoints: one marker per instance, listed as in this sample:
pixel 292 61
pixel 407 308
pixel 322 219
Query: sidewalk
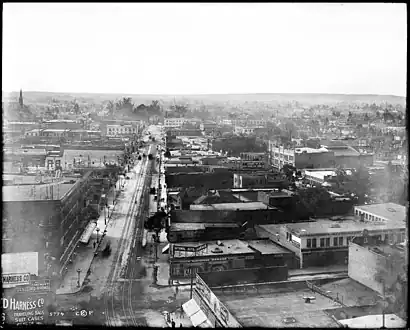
pixel 179 317
pixel 83 255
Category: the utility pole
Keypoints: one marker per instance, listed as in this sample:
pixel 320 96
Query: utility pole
pixel 384 306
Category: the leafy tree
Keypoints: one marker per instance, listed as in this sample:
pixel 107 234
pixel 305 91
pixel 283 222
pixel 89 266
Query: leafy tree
pixel 289 172
pixel 110 106
pixel 155 106
pixel 361 179
pixel 336 113
pixel 308 202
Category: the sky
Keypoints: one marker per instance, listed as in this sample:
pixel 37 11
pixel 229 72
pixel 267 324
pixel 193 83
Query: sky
pixel 204 48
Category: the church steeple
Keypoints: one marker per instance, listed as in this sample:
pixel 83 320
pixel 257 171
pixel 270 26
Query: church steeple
pixel 21 98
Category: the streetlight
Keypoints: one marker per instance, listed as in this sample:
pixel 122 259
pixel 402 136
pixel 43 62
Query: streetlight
pixel 78 281
pixel 113 198
pixel 108 212
pixel 98 230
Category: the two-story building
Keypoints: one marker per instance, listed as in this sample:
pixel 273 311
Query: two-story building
pixel 54 132
pixel 325 242
pixel 174 122
pixel 323 157
pixel 247 130
pixel 116 130
pixel 254 160
pixel 300 158
pixel 386 212
pixel 209 127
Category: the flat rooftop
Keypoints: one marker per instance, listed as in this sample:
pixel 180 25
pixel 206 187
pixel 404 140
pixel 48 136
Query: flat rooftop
pixel 25 192
pixel 266 246
pixel 272 309
pixel 386 250
pixel 182 226
pixel 389 211
pixel 350 292
pixel 249 206
pixel 233 246
pixel 320 174
pixel 375 322
pixel 310 150
pixel 329 227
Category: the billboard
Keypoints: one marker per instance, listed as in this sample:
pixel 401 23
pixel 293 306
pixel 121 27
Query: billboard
pixel 210 302
pixel 19 263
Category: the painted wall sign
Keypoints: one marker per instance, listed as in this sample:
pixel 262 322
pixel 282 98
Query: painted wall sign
pixel 36 287
pixel 24 312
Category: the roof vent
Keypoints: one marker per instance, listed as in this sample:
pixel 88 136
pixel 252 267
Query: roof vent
pixel 391 209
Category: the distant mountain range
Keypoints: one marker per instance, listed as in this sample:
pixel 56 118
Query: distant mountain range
pixel 302 98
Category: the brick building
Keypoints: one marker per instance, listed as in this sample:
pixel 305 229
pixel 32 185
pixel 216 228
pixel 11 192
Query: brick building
pixel 326 242
pixel 46 219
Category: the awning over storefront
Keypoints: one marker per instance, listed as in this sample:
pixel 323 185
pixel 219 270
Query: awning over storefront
pixel 190 307
pixel 85 237
pixel 165 249
pixel 196 315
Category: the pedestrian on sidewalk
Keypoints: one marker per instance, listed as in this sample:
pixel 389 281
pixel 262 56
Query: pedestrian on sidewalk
pixel 173 323
pixel 94 244
pixel 176 290
pixel 180 325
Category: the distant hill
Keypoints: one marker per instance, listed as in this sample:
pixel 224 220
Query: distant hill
pixel 305 99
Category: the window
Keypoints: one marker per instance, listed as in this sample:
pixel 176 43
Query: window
pixel 335 241
pixel 313 242
pixel 328 241
pixel 366 216
pixel 340 241
pixel 309 243
pixel 322 242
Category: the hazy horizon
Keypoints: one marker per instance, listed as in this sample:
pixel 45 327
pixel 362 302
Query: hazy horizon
pixel 194 94
pixel 205 49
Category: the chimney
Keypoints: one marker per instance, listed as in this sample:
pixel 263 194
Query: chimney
pixel 361 217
